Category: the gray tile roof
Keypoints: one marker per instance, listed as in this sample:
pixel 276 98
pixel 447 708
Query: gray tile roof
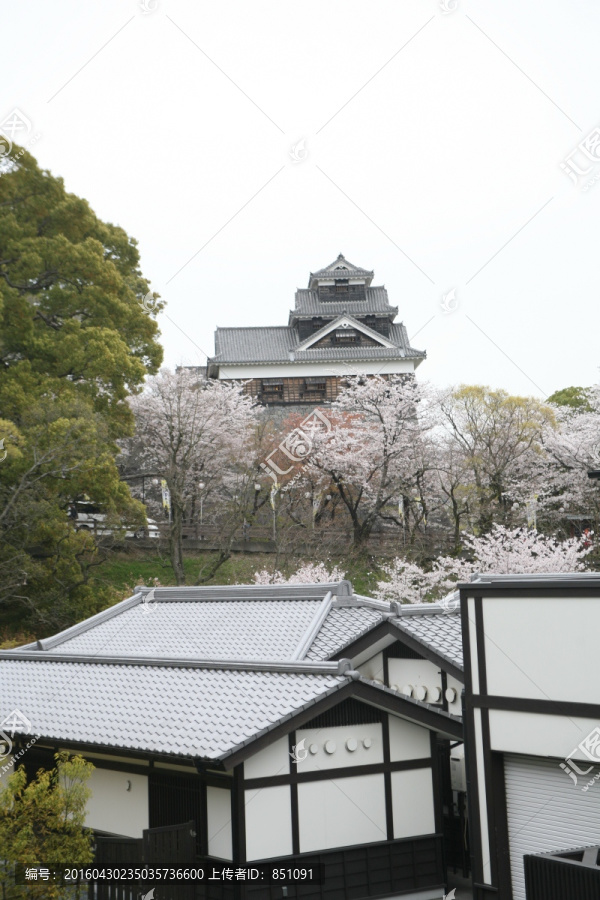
pixel 437 629
pixel 202 671
pixel 262 345
pixel 309 304
pixel 183 711
pixel 257 344
pixel 341 627
pixel 244 629
pixel 349 271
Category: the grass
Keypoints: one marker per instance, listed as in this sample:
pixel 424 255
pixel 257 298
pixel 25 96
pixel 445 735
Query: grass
pixel 123 571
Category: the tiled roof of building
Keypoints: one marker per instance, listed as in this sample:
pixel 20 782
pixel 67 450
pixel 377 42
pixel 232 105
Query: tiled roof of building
pixel 438 628
pixel 342 268
pixel 229 629
pixel 348 267
pixel 340 628
pixel 277 344
pixel 192 712
pixel 201 672
pixel 376 301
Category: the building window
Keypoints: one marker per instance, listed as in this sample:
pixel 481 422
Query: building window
pixel 271 389
pixel 345 336
pixel 315 388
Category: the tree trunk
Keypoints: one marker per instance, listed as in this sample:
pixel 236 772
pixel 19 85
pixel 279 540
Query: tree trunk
pixel 176 543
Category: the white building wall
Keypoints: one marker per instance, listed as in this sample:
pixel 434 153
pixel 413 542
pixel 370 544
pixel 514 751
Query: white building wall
pixel 341 811
pixel 412 803
pixel 113 807
pixel 218 804
pixel 299 369
pixel 272 760
pixel 540 735
pixel 483 806
pixel 408 741
pixel 341 746
pixel 456 706
pixel 519 665
pixel 372 668
pixel 414 673
pixel 268 822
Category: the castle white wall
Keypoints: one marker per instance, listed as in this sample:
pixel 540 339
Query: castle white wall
pixel 115 809
pixel 340 812
pixel 412 803
pixel 218 804
pixel 268 822
pixel 299 369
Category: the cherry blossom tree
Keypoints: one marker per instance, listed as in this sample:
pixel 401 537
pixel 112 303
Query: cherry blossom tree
pixel 308 573
pixel 378 456
pixel 506 551
pixel 197 434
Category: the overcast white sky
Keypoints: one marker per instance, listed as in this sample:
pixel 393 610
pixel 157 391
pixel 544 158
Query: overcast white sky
pixel 433 144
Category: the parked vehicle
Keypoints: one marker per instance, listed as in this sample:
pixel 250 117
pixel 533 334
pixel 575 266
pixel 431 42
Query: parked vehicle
pixel 89 516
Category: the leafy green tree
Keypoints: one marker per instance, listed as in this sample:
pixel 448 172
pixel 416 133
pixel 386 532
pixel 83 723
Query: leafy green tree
pixel 575 397
pixel 76 339
pixel 493 436
pixel 43 822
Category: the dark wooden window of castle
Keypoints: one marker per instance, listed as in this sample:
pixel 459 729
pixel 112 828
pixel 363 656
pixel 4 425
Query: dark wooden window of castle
pixel 345 336
pixel 315 388
pixel 272 389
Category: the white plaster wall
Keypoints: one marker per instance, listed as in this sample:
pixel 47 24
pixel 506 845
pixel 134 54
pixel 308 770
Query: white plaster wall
pixel 456 707
pixel 415 672
pixel 542 647
pixel 218 804
pixel 268 822
pixel 271 760
pixel 540 735
pixel 341 811
pixel 299 369
pixel 408 741
pixel 115 809
pixel 372 668
pixel 473 643
pixel 412 803
pixel 483 813
pixel 317 738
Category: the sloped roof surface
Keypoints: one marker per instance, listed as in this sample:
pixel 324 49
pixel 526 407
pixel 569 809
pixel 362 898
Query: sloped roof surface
pixel 200 672
pixel 189 712
pixel 344 266
pixel 376 301
pixel 237 630
pixel 246 345
pixel 340 628
pixel 440 631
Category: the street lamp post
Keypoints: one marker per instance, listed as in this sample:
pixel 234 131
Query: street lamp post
pixel 201 485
